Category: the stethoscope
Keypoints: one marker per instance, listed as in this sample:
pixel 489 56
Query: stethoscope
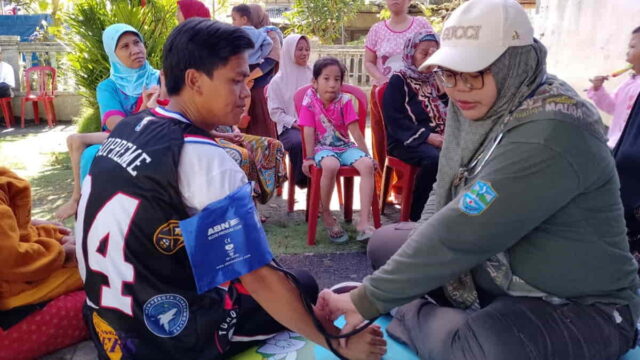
pixel 477 163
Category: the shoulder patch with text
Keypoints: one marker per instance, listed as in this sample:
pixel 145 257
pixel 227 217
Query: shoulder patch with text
pixel 478 198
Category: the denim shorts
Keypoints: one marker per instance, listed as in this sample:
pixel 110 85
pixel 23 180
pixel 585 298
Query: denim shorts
pixel 346 158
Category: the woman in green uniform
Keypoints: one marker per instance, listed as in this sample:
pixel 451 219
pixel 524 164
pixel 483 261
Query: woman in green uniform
pixel 521 248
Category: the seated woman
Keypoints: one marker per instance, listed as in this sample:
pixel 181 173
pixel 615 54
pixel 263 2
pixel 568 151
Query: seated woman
pixel 524 232
pixel 294 73
pixel 627 155
pixel 132 86
pixel 414 111
pixel 41 293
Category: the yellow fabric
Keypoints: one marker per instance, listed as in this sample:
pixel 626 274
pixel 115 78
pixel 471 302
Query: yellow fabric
pixel 31 257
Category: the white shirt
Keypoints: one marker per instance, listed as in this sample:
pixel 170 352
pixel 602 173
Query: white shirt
pixel 206 174
pixel 7 75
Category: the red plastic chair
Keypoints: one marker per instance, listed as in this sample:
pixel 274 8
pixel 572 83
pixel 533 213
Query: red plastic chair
pixel 347 172
pixel 406 172
pixel 46 85
pixel 5 103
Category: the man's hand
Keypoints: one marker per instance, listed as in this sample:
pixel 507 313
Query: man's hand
pixel 597 82
pixel 436 140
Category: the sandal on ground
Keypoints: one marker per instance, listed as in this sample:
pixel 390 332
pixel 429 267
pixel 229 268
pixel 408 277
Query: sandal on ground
pixel 365 234
pixel 336 233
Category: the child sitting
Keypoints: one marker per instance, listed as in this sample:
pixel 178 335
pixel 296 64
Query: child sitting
pixel 328 117
pixel 619 105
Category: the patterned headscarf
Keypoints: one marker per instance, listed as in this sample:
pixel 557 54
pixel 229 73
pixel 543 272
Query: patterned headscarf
pixel 424 83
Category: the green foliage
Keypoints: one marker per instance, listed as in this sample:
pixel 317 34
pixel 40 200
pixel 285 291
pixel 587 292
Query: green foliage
pixel 88 120
pixel 86 22
pixel 322 18
pixel 437 14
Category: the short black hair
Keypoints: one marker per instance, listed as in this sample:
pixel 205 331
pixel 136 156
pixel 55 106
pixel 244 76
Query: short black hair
pixel 636 31
pixel 243 10
pixel 324 63
pixel 203 45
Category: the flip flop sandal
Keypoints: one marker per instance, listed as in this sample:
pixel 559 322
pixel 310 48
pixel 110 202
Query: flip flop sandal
pixel 365 235
pixel 336 233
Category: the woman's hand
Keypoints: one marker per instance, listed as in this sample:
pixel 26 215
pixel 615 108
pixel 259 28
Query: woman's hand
pixel 436 140
pixel 597 81
pixel 306 165
pixel 150 97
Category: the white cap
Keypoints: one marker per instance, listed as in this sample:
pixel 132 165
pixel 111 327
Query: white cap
pixel 478 32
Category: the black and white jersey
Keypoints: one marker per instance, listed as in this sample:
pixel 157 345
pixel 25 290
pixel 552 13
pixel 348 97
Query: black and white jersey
pixel 155 169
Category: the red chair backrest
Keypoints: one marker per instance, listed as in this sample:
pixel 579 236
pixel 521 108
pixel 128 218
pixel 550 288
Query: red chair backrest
pixel 379 97
pixel 46 76
pixel 355 91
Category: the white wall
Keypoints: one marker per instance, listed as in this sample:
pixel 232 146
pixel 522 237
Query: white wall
pixel 586 37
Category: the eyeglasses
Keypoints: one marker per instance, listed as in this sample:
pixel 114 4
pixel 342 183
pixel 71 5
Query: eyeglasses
pixel 471 80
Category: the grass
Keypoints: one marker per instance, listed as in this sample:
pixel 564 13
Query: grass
pixel 51 179
pixel 291 238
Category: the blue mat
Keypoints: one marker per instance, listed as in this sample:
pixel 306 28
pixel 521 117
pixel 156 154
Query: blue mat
pixel 291 346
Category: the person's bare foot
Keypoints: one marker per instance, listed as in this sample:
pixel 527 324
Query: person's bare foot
pixel 67 210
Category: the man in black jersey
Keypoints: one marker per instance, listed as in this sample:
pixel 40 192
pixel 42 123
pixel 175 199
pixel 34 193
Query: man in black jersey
pixel 159 167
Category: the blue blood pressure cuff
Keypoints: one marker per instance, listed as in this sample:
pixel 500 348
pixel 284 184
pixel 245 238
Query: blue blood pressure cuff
pixel 225 240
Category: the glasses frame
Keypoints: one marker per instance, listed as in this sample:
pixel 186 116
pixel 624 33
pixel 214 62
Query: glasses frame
pixel 439 73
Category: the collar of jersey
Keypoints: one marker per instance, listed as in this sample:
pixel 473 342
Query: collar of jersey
pixel 161 111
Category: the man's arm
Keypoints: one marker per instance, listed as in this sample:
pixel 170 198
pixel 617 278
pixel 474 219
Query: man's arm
pixel 281 299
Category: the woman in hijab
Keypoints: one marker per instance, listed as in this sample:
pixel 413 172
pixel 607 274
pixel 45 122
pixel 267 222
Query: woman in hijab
pixel 627 155
pixel 132 86
pixel 521 248
pixel 294 73
pixel 414 112
pixel 191 8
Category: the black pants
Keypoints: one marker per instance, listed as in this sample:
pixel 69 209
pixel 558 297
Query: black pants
pixel 212 322
pixel 426 158
pixel 292 140
pixel 5 90
pixel 507 328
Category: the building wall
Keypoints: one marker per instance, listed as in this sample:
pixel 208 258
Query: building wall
pixel 586 37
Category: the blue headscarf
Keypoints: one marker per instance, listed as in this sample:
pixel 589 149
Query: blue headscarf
pixel 129 81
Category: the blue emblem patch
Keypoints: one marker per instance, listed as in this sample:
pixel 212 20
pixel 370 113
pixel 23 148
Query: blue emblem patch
pixel 166 315
pixel 477 199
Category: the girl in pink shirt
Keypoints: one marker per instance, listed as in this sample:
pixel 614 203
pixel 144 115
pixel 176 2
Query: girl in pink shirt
pixel 328 117
pixel 619 105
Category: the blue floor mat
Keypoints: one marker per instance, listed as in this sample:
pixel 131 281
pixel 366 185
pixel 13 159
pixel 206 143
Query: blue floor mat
pixel 291 346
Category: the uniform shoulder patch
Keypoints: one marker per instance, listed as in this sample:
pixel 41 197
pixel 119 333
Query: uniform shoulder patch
pixel 478 198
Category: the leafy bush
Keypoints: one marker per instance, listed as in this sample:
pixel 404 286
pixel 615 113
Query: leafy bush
pixel 322 18
pixel 89 63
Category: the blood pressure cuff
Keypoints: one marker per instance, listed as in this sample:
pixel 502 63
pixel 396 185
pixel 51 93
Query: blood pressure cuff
pixel 225 240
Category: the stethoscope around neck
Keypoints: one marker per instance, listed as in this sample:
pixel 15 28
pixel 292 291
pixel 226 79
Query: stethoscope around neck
pixel 477 163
